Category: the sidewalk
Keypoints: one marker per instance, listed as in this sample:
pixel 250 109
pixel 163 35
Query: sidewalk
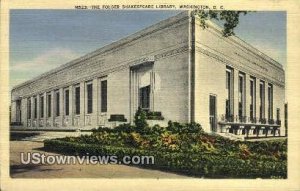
pixel 40 136
pixel 19 170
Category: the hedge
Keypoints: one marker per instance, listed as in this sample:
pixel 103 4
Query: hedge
pixel 199 165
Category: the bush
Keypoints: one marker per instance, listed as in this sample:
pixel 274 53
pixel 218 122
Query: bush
pixel 176 127
pixel 207 165
pixel 126 127
pixel 273 148
pixel 140 120
pixel 102 129
pixel 183 148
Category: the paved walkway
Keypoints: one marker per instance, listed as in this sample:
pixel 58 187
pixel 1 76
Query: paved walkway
pixel 40 136
pixel 19 170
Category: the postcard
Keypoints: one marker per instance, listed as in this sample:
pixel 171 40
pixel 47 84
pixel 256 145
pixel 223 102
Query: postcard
pixel 148 95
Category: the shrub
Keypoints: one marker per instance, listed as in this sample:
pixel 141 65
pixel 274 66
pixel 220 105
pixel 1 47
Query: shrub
pixel 126 127
pixel 140 120
pixel 102 129
pixel 188 138
pixel 207 165
pixel 277 148
pixel 183 148
pixel 176 127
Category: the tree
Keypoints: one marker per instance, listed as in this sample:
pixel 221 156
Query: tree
pixel 230 19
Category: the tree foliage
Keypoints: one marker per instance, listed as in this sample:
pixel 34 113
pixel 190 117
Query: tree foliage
pixel 140 120
pixel 230 19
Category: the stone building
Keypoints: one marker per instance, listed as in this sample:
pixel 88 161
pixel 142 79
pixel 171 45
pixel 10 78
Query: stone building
pixel 175 70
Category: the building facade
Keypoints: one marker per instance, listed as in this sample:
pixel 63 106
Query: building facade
pixel 175 69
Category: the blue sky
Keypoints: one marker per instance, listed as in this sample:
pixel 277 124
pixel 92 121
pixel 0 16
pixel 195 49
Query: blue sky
pixel 41 40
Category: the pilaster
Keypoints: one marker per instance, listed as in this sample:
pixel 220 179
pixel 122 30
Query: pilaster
pixel 257 99
pixel 52 109
pixel 61 107
pixel 71 104
pixel 236 93
pixel 82 104
pixel 95 102
pixel 247 96
pixel 24 112
pixel 38 110
pixel 265 110
pixel 45 108
pixel 32 110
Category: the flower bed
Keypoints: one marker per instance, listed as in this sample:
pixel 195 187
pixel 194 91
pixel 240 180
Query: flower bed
pixel 182 148
pixel 200 165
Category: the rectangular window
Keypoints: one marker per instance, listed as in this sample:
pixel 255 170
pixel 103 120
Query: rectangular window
pixel 144 95
pixel 77 100
pixel 67 102
pixel 104 96
pixel 29 108
pixel 89 89
pixel 41 106
pixel 229 89
pixel 49 105
pixel 261 99
pixel 57 104
pixel 270 101
pixel 278 114
pixel 35 108
pixel 241 95
pixel 252 97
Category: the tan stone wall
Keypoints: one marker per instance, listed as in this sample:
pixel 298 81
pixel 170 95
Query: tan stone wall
pixel 213 54
pixel 210 79
pixel 118 93
pixel 278 102
pixel 171 95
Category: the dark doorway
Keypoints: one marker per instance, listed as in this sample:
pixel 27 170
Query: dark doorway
pixel 213 113
pixel 144 98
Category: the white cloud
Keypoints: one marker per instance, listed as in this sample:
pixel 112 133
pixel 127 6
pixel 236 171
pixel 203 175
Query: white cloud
pixel 45 61
pixel 22 71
